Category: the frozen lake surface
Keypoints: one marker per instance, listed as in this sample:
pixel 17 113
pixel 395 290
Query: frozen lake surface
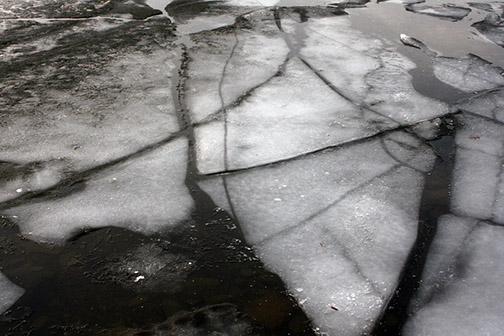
pixel 255 167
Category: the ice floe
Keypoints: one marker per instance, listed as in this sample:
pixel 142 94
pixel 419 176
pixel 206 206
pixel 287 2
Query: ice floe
pixel 478 185
pixel 337 86
pixel 463 288
pixel 446 11
pixel 9 293
pixel 469 73
pixel 145 194
pixel 338 224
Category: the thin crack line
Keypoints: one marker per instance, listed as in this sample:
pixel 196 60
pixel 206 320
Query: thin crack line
pixel 225 114
pixel 331 147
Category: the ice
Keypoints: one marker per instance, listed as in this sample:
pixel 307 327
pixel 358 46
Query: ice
pixel 469 300
pixel 489 105
pixel 9 293
pixel 489 6
pixel 492 27
pixel 344 87
pixel 75 8
pixel 270 126
pixel 446 11
pixel 477 188
pixel 338 224
pixel 440 268
pixel 105 117
pixel 225 65
pixel 469 73
pixel 145 194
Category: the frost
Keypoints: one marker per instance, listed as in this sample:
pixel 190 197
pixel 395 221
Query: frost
pixel 9 293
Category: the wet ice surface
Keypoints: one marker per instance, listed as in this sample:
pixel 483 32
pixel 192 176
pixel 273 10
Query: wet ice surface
pixel 9 293
pixel 240 167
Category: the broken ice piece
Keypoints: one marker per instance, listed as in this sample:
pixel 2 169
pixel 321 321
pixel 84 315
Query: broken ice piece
pixel 9 293
pixel 447 11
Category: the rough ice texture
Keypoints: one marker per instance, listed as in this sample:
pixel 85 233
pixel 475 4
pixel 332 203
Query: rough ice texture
pixel 136 9
pixel 348 215
pixel 9 293
pixel 52 133
pixel 446 11
pixel 478 186
pixel 344 87
pixel 470 73
pixel 492 27
pixel 145 194
pixel 489 105
pixel 467 297
pixel 225 65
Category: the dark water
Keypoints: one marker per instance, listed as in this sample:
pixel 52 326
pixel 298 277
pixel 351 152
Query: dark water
pixel 202 276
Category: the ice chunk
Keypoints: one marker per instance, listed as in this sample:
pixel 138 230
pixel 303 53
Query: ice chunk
pixel 145 194
pixel 228 62
pixel 477 188
pixel 489 105
pixel 447 11
pixel 471 302
pixel 488 6
pixel 492 27
pixel 470 73
pixel 363 69
pixel 348 215
pixel 440 268
pixel 9 293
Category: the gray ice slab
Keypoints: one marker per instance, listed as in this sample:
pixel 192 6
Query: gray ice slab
pixel 146 194
pixel 469 73
pixel 492 27
pixel 477 178
pixel 489 105
pixel 470 299
pixel 335 225
pixel 9 293
pixel 446 11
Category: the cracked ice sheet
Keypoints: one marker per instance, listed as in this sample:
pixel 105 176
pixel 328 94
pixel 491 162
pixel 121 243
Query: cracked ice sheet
pixel 478 187
pixel 107 116
pixel 335 225
pixel 258 53
pixel 463 294
pixel 145 194
pixel 9 293
pixel 296 112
